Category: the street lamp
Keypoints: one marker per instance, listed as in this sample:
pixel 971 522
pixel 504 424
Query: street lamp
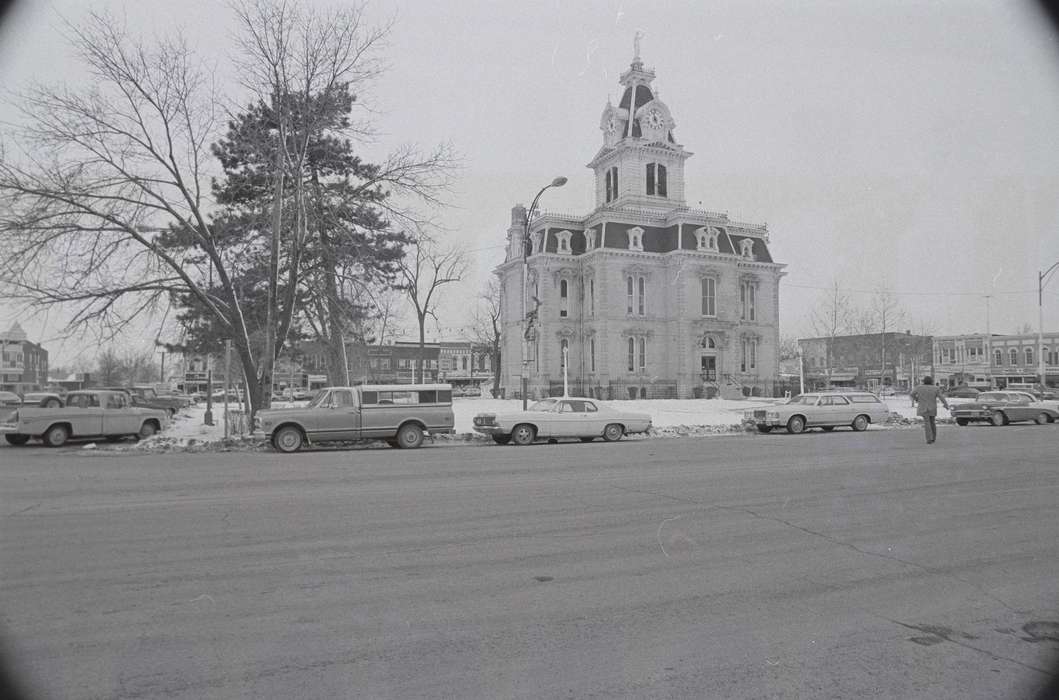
pixel 557 182
pixel 1040 321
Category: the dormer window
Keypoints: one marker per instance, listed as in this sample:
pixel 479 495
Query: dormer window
pixel 746 248
pixel 636 238
pixel 563 237
pixel 656 179
pixel 612 184
pixel 538 241
pixel 706 238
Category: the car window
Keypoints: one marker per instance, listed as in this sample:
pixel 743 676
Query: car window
pixel 115 401
pixel 865 398
pixel 543 405
pixel 342 398
pixel 590 407
pixel 992 396
pixel 839 401
pixel 83 401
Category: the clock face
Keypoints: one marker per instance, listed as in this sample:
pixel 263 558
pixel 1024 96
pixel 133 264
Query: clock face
pixel 654 119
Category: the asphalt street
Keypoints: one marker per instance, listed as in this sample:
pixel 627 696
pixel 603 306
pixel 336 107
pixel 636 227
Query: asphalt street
pixel 835 565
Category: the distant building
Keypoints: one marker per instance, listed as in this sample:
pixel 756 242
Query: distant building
pixel 983 360
pixel 464 363
pixel 869 361
pixel 23 364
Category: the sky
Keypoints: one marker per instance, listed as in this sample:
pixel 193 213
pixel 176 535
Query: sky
pixel 906 145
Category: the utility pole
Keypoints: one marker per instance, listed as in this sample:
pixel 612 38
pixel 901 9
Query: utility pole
pixel 1040 322
pixel 227 380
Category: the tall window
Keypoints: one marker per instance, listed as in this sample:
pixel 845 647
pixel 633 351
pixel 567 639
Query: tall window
pixel 628 295
pixel 656 179
pixel 1029 356
pixel 998 358
pixel 747 295
pixel 709 296
pixel 564 293
pixel 637 353
pixel 612 183
pixel 1013 355
pixel 749 360
pixel 641 303
pixel 592 353
pixel 592 297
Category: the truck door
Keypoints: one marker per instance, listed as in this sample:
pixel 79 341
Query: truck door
pixel 339 416
pixel 118 417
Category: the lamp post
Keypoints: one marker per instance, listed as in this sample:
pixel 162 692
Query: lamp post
pixel 557 182
pixel 1040 321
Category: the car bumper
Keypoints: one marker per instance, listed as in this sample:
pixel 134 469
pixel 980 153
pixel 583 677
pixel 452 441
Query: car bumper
pixel 490 429
pixel 972 415
pixel 8 428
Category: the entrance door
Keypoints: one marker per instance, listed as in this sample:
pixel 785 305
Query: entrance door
pixel 709 368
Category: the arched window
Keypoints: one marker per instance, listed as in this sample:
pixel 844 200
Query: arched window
pixel 656 179
pixel 748 297
pixel 612 184
pixel 1013 355
pixel 642 297
pixel 564 289
pixel 632 354
pixel 643 354
pixel 1029 357
pixel 592 297
pixel 628 294
pixel 592 353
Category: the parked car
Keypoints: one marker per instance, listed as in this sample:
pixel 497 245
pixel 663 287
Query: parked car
pixel 1003 407
pixel 9 398
pixel 400 414
pixel 87 414
pixel 566 417
pixel 826 410
pixel 962 392
pixel 1039 391
pixel 44 399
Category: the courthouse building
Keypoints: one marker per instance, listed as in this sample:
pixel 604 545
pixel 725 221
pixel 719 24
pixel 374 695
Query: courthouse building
pixel 644 296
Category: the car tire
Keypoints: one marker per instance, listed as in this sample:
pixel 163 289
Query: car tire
pixel 288 439
pixel 16 439
pixel 962 421
pixel 52 403
pixel 409 436
pixel 860 423
pixel 1043 419
pixel 998 418
pixel 613 432
pixel 56 436
pixel 523 434
pixel 501 439
pixel 146 430
pixel 764 429
pixel 827 428
pixel 796 425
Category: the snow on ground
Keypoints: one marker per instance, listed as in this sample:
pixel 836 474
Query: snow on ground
pixel 669 417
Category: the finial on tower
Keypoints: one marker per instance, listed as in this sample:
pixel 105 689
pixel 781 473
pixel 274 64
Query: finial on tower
pixel 636 46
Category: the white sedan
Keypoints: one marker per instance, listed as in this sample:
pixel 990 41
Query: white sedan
pixel 566 417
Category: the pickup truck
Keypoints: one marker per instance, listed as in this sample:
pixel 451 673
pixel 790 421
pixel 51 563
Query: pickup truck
pixel 147 397
pixel 87 414
pixel 400 414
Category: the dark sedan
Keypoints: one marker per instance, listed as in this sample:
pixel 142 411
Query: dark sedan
pixel 1002 407
pixel 962 392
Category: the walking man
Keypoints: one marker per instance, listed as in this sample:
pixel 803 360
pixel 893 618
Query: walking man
pixel 927 396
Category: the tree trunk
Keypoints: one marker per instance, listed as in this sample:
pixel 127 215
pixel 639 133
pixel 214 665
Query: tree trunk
pixel 422 348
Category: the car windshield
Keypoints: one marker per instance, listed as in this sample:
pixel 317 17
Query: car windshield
pixel 544 405
pixel 319 398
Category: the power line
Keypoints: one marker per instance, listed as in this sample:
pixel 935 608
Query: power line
pixel 899 293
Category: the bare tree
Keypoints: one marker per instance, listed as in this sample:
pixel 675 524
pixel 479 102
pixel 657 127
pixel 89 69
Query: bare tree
pixel 109 369
pixel 887 314
pixel 485 326
pixel 830 319
pixel 424 270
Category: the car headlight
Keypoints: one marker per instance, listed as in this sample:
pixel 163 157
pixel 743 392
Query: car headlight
pixel 772 415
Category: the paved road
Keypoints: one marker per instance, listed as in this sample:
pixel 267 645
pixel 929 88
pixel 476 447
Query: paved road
pixel 817 566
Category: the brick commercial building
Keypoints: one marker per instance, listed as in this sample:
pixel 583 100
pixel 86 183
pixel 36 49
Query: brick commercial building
pixel 644 296
pixel 23 364
pixel 870 361
pixel 985 360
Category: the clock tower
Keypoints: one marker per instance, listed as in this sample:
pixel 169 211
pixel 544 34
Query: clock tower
pixel 640 164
